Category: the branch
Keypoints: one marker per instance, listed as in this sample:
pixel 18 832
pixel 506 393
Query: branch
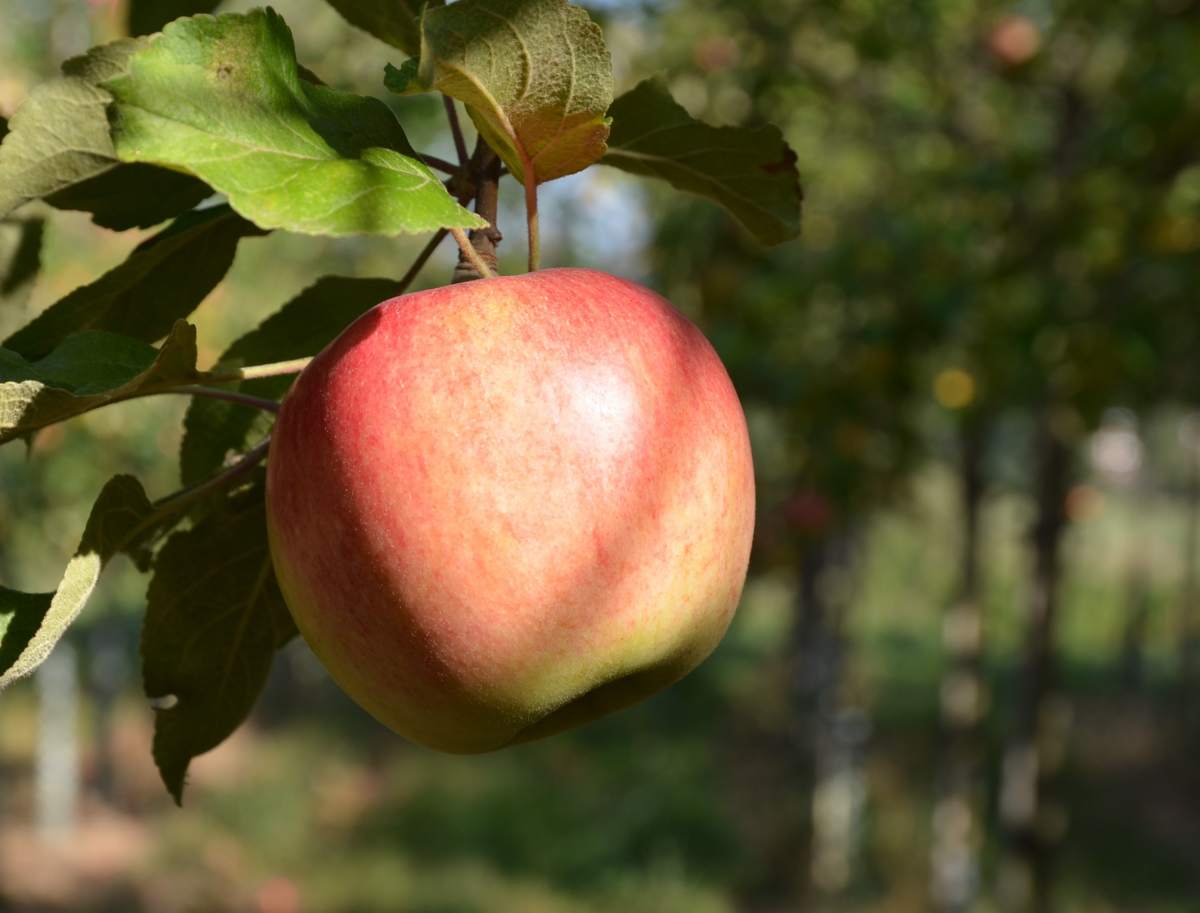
pixel 221 480
pixel 440 164
pixel 485 172
pixel 422 259
pixel 471 256
pixel 229 396
pixel 460 144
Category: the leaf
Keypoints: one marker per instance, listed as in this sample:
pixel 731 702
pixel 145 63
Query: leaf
pixel 304 326
pixel 122 520
pixel 393 21
pixel 59 148
pixel 214 621
pixel 146 16
pixel 750 171
pixel 222 98
pixel 21 617
pixel 20 255
pixel 163 280
pixel 89 370
pixel 535 75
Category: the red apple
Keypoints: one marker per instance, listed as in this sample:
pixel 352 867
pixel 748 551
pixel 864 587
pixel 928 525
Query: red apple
pixel 506 507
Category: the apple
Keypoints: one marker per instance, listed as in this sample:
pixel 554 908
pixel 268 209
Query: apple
pixel 1014 40
pixel 506 507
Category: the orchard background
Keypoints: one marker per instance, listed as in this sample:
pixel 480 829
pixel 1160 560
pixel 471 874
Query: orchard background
pixel 964 673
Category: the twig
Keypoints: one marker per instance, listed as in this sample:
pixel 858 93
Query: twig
pixel 229 396
pixel 471 254
pixel 422 258
pixel 460 144
pixel 441 164
pixel 484 170
pixel 223 479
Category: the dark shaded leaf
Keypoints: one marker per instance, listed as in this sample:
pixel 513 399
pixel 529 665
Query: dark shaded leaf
pixel 147 16
pixel 20 256
pixel 122 520
pixel 750 171
pixel 304 326
pixel 214 621
pixel 164 280
pixel 58 148
pixel 393 21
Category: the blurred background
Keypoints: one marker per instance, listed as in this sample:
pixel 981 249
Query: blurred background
pixel 965 675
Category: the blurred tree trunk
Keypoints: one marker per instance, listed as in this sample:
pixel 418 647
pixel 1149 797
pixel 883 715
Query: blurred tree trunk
pixel 108 654
pixel 808 634
pixel 1033 819
pixel 57 761
pixel 1138 603
pixel 831 730
pixel 1189 641
pixel 956 817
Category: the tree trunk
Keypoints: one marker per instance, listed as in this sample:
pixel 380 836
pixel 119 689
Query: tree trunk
pixel 57 764
pixel 957 834
pixel 1033 819
pixel 808 676
pixel 1189 640
pixel 831 732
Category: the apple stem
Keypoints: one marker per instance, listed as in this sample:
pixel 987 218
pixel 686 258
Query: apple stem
pixel 531 212
pixel 485 174
pixel 294 366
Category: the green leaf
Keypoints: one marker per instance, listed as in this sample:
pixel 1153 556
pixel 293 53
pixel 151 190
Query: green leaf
pixel 222 98
pixel 58 148
pixel 304 326
pixel 393 21
pixel 750 171
pixel 122 520
pixel 535 75
pixel 214 621
pixel 89 370
pixel 163 280
pixel 146 16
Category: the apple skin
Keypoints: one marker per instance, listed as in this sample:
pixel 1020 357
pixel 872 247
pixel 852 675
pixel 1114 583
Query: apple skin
pixel 506 507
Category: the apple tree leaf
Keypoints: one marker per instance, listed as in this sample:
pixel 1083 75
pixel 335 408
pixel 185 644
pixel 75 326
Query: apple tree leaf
pixel 58 148
pixel 392 21
pixel 222 98
pixel 214 621
pixel 147 16
pixel 20 258
pixel 122 520
pixel 89 370
pixel 750 171
pixel 303 326
pixel 535 75
pixel 163 280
